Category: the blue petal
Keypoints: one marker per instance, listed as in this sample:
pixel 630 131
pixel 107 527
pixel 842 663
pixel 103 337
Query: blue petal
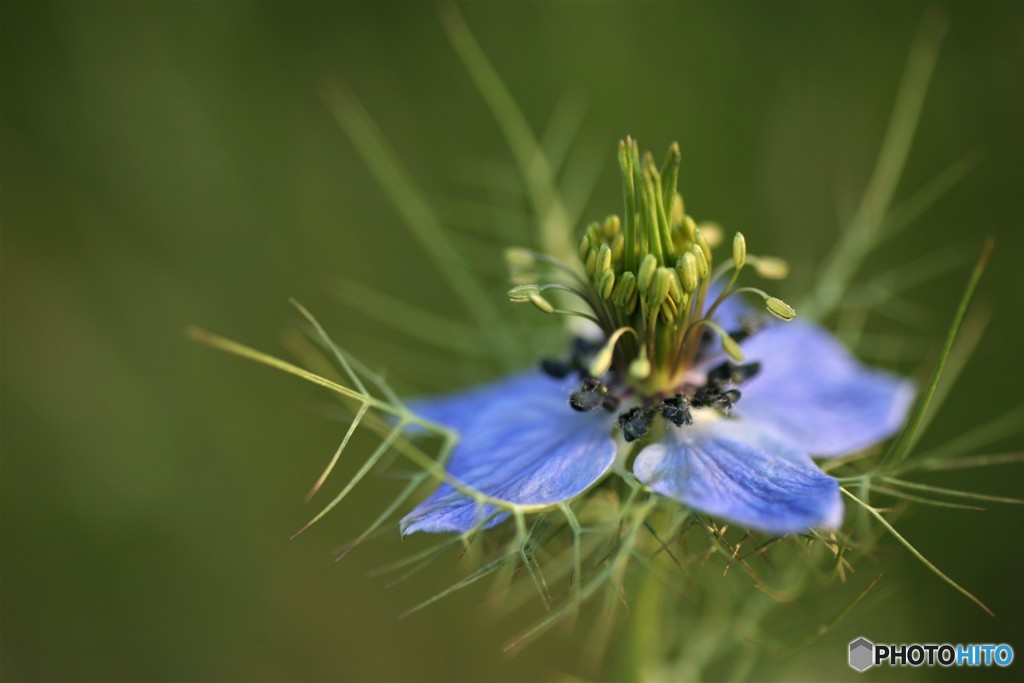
pixel 460 410
pixel 812 393
pixel 731 470
pixel 521 443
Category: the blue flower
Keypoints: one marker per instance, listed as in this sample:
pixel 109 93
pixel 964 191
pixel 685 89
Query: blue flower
pixel 522 443
pixel 727 415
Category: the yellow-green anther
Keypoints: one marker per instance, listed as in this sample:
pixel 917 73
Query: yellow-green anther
pixel 675 289
pixel 604 258
pixel 687 267
pixel 702 242
pixel 606 284
pixel 625 288
pixel 612 226
pixel 779 308
pixel 518 258
pixel 604 357
pixel 602 361
pixel 591 262
pixel 690 228
pixel 669 312
pixel 585 246
pixel 712 233
pixel 739 250
pixel 732 348
pixel 703 267
pixel 646 272
pixel 640 368
pixel 521 293
pixel 660 285
pixel 770 267
pixel 540 302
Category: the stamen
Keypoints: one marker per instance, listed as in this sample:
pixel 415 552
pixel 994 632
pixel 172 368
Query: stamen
pixel 635 423
pixel 589 396
pixel 603 360
pixel 739 250
pixel 650 272
pixel 728 343
pixel 677 410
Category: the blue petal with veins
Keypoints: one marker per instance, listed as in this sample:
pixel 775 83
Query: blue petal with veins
pixel 813 395
pixel 520 443
pixel 734 471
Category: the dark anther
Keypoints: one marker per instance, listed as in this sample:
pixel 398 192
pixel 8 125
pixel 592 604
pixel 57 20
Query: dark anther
pixel 732 373
pixel 713 397
pixel 677 410
pixel 590 395
pixel 559 369
pixel 635 423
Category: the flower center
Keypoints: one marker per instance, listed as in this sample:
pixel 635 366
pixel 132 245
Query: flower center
pixel 718 392
pixel 650 282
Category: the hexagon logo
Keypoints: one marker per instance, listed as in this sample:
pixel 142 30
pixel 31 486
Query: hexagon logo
pixel 862 654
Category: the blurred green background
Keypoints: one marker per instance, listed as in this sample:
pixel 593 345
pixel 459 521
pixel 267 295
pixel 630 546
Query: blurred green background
pixel 173 163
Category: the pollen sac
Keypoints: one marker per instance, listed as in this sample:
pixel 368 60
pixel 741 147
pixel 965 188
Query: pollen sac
pixel 589 396
pixel 712 396
pixel 677 410
pixel 635 423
